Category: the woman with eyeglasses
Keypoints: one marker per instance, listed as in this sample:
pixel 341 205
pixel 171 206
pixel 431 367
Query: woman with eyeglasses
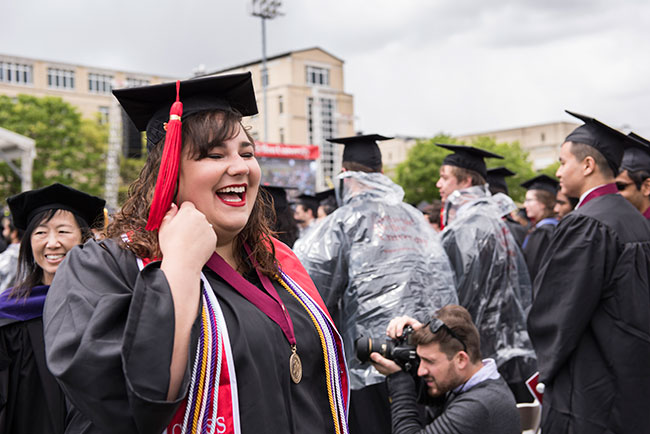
pixel 539 205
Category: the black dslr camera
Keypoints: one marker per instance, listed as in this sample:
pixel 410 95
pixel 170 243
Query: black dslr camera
pixel 399 350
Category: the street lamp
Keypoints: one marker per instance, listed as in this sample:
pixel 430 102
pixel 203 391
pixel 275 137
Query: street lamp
pixel 266 10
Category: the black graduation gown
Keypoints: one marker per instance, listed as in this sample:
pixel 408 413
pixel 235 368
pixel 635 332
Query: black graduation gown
pixel 590 321
pixel 517 230
pixel 30 399
pixel 109 335
pixel 538 241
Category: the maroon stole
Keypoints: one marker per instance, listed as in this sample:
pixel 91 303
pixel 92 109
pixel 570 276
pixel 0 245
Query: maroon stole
pixel 600 191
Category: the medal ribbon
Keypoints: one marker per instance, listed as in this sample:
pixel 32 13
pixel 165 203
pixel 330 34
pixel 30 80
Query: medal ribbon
pixel 268 302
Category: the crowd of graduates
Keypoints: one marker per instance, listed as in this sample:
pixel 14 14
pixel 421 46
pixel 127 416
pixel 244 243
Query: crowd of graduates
pixel 148 327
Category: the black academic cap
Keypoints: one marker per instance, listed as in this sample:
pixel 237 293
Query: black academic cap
pixel 608 141
pixel 496 177
pixel 278 193
pixel 468 157
pixel 542 182
pixel 325 195
pixel 26 205
pixel 362 149
pixel 308 201
pixel 637 157
pixel 148 106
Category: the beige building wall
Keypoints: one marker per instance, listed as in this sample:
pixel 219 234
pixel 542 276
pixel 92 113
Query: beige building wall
pixel 301 112
pixel 542 142
pixel 395 151
pixel 89 102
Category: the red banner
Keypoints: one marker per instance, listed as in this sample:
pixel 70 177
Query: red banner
pixel 280 150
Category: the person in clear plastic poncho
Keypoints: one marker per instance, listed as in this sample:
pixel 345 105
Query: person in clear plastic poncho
pixel 373 259
pixel 491 275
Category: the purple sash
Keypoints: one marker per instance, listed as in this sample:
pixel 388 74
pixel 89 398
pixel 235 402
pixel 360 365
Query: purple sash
pixel 23 309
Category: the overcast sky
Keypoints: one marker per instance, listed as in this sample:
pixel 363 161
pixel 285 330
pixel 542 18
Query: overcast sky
pixel 415 67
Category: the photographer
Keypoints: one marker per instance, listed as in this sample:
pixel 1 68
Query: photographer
pixel 465 395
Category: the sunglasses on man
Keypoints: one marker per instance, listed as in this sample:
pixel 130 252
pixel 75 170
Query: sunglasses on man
pixel 436 324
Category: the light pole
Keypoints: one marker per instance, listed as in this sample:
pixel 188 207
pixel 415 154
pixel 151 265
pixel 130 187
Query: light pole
pixel 111 185
pixel 266 10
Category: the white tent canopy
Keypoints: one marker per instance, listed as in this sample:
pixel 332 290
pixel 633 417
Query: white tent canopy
pixel 14 146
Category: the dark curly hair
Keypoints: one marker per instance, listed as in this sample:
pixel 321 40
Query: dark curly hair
pixel 200 132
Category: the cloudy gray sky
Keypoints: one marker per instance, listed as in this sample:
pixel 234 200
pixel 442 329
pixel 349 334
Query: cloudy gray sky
pixel 415 67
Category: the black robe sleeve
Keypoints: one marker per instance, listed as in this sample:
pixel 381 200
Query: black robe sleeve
pixel 109 331
pixel 538 242
pixel 568 289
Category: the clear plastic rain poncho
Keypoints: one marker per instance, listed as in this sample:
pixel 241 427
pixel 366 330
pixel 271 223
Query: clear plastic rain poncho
pixel 491 277
pixel 373 259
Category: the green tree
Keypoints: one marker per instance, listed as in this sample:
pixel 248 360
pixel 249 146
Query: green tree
pixel 420 171
pixel 69 149
pixel 514 158
pixel 129 170
pixel 550 170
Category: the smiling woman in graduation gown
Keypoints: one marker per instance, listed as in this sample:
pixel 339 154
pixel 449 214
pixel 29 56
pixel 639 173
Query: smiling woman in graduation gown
pixel 226 333
pixel 55 219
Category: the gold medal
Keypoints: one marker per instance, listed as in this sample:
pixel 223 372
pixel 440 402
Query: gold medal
pixel 295 366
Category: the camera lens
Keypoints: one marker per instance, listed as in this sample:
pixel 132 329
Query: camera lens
pixel 363 348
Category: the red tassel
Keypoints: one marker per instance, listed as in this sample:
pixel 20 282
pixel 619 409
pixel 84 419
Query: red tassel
pixel 169 165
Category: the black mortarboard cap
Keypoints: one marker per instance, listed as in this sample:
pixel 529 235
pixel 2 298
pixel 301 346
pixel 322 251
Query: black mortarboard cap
pixel 468 157
pixel 308 201
pixel 496 177
pixel 148 106
pixel 608 141
pixel 639 140
pixel 325 195
pixel 26 205
pixel 542 182
pixel 362 149
pixel 279 195
pixel 637 157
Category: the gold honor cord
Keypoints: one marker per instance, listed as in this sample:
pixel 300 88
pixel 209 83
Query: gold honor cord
pixel 324 347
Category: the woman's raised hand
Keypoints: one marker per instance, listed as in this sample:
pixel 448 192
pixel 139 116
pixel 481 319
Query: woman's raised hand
pixel 186 237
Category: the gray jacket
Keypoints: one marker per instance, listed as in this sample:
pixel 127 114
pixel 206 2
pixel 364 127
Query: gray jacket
pixel 486 408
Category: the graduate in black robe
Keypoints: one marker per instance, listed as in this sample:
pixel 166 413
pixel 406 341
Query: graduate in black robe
pixel 190 317
pixel 282 221
pixel 590 320
pixel 55 219
pixel 633 180
pixel 539 205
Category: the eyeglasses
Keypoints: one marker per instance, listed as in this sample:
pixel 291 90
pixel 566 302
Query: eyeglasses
pixel 436 324
pixel 622 186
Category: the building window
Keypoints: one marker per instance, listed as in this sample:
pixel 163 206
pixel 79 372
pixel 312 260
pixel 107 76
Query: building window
pixel 16 73
pixel 100 83
pixel 280 104
pixel 136 82
pixel 543 137
pixel 320 119
pixel 103 114
pixel 58 78
pixel 318 76
pixel 281 135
